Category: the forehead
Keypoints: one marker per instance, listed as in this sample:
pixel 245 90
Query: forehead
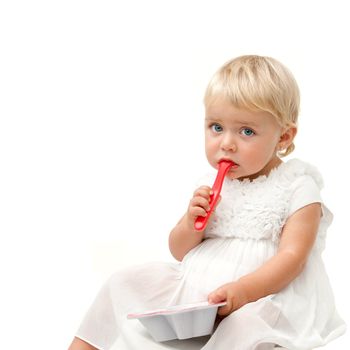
pixel 226 112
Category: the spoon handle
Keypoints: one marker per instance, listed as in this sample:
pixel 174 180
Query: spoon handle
pixel 201 221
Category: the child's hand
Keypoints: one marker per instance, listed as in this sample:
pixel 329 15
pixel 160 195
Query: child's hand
pixel 234 295
pixel 199 204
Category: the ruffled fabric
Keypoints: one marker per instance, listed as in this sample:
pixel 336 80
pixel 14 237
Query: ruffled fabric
pixel 258 209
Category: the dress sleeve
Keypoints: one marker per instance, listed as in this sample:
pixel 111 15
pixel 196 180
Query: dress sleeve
pixel 305 191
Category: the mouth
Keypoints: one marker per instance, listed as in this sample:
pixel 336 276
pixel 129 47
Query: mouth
pixel 234 164
pixel 233 169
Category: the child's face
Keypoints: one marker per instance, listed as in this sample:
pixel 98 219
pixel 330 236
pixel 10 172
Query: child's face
pixel 249 139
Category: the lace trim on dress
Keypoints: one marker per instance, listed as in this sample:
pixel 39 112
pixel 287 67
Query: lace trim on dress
pixel 258 209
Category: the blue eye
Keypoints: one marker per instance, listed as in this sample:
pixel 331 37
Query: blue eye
pixel 247 132
pixel 216 127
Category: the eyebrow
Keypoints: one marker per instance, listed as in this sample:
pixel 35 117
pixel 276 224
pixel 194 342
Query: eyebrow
pixel 239 122
pixel 245 122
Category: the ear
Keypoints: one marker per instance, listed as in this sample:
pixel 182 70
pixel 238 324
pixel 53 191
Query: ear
pixel 287 138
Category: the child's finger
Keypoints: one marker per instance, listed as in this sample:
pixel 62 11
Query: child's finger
pixel 197 211
pixel 217 296
pixel 203 191
pixel 226 309
pixel 200 202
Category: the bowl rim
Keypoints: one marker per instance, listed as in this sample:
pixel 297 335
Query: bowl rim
pixel 171 310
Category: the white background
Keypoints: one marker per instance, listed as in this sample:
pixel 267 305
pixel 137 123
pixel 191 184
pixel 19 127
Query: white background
pixel 101 137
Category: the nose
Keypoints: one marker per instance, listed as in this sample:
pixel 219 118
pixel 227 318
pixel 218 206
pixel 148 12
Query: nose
pixel 228 143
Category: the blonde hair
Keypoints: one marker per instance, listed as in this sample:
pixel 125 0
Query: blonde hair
pixel 258 83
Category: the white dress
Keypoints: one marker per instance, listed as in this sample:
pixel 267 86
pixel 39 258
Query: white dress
pixel 243 233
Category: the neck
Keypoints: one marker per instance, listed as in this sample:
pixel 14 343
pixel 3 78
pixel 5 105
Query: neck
pixel 272 164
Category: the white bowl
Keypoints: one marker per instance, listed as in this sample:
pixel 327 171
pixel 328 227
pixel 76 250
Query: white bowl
pixel 180 321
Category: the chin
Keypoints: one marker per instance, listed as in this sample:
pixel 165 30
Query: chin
pixel 232 175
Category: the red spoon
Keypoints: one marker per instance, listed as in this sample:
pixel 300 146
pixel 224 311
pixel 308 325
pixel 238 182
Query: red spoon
pixel 224 166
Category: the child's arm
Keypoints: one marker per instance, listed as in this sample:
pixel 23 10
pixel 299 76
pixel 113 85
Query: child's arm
pixel 297 239
pixel 184 237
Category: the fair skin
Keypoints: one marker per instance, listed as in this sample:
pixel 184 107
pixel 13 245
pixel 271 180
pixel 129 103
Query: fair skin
pixel 251 140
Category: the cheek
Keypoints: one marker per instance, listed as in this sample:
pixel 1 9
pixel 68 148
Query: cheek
pixel 211 149
pixel 211 145
pixel 258 153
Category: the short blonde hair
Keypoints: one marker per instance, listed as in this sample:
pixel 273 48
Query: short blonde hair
pixel 258 83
